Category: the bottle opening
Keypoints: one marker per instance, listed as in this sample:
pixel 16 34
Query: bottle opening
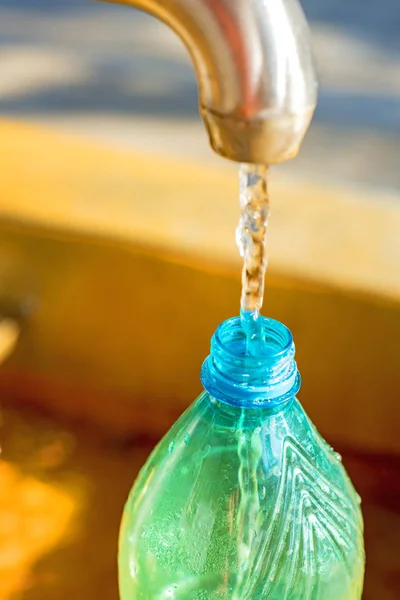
pixel 266 377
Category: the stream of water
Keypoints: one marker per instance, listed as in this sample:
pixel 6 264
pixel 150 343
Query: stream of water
pixel 251 238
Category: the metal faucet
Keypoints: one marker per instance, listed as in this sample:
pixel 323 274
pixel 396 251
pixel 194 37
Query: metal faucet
pixel 254 66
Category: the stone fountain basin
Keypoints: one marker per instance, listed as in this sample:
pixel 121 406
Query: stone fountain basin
pixel 116 268
pixel 127 264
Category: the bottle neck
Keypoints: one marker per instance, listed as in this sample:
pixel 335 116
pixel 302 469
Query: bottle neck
pixel 266 378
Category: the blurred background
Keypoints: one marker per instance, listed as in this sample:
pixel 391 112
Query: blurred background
pixel 112 205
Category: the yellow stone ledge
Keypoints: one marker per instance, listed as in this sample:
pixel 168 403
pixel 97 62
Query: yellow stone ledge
pixel 346 237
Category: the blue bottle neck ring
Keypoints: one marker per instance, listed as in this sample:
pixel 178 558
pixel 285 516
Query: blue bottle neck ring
pixel 267 378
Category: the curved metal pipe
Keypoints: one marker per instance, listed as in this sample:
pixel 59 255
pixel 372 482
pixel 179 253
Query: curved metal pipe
pixel 254 65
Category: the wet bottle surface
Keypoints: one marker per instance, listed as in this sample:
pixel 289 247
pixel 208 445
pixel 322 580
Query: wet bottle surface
pixel 243 499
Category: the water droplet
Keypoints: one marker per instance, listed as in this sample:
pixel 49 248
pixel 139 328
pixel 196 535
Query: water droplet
pixel 132 568
pixel 187 439
pixel 171 447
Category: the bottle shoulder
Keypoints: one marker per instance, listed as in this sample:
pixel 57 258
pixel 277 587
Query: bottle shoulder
pixel 210 432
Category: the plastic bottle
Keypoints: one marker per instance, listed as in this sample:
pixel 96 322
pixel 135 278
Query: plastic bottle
pixel 243 499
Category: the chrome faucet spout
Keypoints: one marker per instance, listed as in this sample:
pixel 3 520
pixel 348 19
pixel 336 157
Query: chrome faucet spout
pixel 255 70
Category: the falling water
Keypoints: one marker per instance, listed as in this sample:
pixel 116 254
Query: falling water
pixel 252 242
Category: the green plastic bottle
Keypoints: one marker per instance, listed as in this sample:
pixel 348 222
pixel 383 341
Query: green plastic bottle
pixel 243 499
